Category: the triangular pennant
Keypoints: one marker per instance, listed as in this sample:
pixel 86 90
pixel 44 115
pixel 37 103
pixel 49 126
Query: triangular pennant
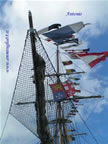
pixel 69 46
pixel 93 58
pixel 90 58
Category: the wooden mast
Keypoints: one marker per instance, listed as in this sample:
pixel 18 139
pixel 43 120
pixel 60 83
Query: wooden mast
pixel 39 75
pixel 59 105
pixel 59 109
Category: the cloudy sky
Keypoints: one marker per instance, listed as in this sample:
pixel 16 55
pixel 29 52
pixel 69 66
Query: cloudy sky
pixel 14 18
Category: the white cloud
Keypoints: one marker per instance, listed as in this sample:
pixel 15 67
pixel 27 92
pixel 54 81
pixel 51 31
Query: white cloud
pixel 95 86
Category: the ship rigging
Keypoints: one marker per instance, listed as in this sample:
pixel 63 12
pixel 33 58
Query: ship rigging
pixel 46 98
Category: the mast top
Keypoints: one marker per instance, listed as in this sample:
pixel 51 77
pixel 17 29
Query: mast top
pixel 29 12
pixel 30 19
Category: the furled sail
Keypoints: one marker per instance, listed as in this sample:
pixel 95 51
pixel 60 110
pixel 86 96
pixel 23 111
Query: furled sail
pixel 51 27
pixel 65 34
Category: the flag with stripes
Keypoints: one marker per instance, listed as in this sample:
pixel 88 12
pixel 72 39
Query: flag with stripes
pixel 70 70
pixel 70 138
pixel 73 78
pixel 75 100
pixel 69 88
pixel 78 50
pixel 65 63
pixel 58 91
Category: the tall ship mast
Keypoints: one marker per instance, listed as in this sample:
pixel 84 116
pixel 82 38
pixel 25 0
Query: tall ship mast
pixel 46 98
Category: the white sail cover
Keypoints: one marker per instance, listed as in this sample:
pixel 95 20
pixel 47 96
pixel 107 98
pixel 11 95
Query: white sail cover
pixel 54 26
pixel 61 34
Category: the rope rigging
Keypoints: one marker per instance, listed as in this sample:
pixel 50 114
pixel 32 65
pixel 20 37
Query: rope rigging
pixel 34 104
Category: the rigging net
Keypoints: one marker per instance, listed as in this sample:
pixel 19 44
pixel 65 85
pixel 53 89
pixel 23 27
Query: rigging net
pixel 24 96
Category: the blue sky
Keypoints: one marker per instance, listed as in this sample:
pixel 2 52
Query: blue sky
pixel 100 44
pixel 2 5
pixel 13 16
pixel 3 2
pixel 98 121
